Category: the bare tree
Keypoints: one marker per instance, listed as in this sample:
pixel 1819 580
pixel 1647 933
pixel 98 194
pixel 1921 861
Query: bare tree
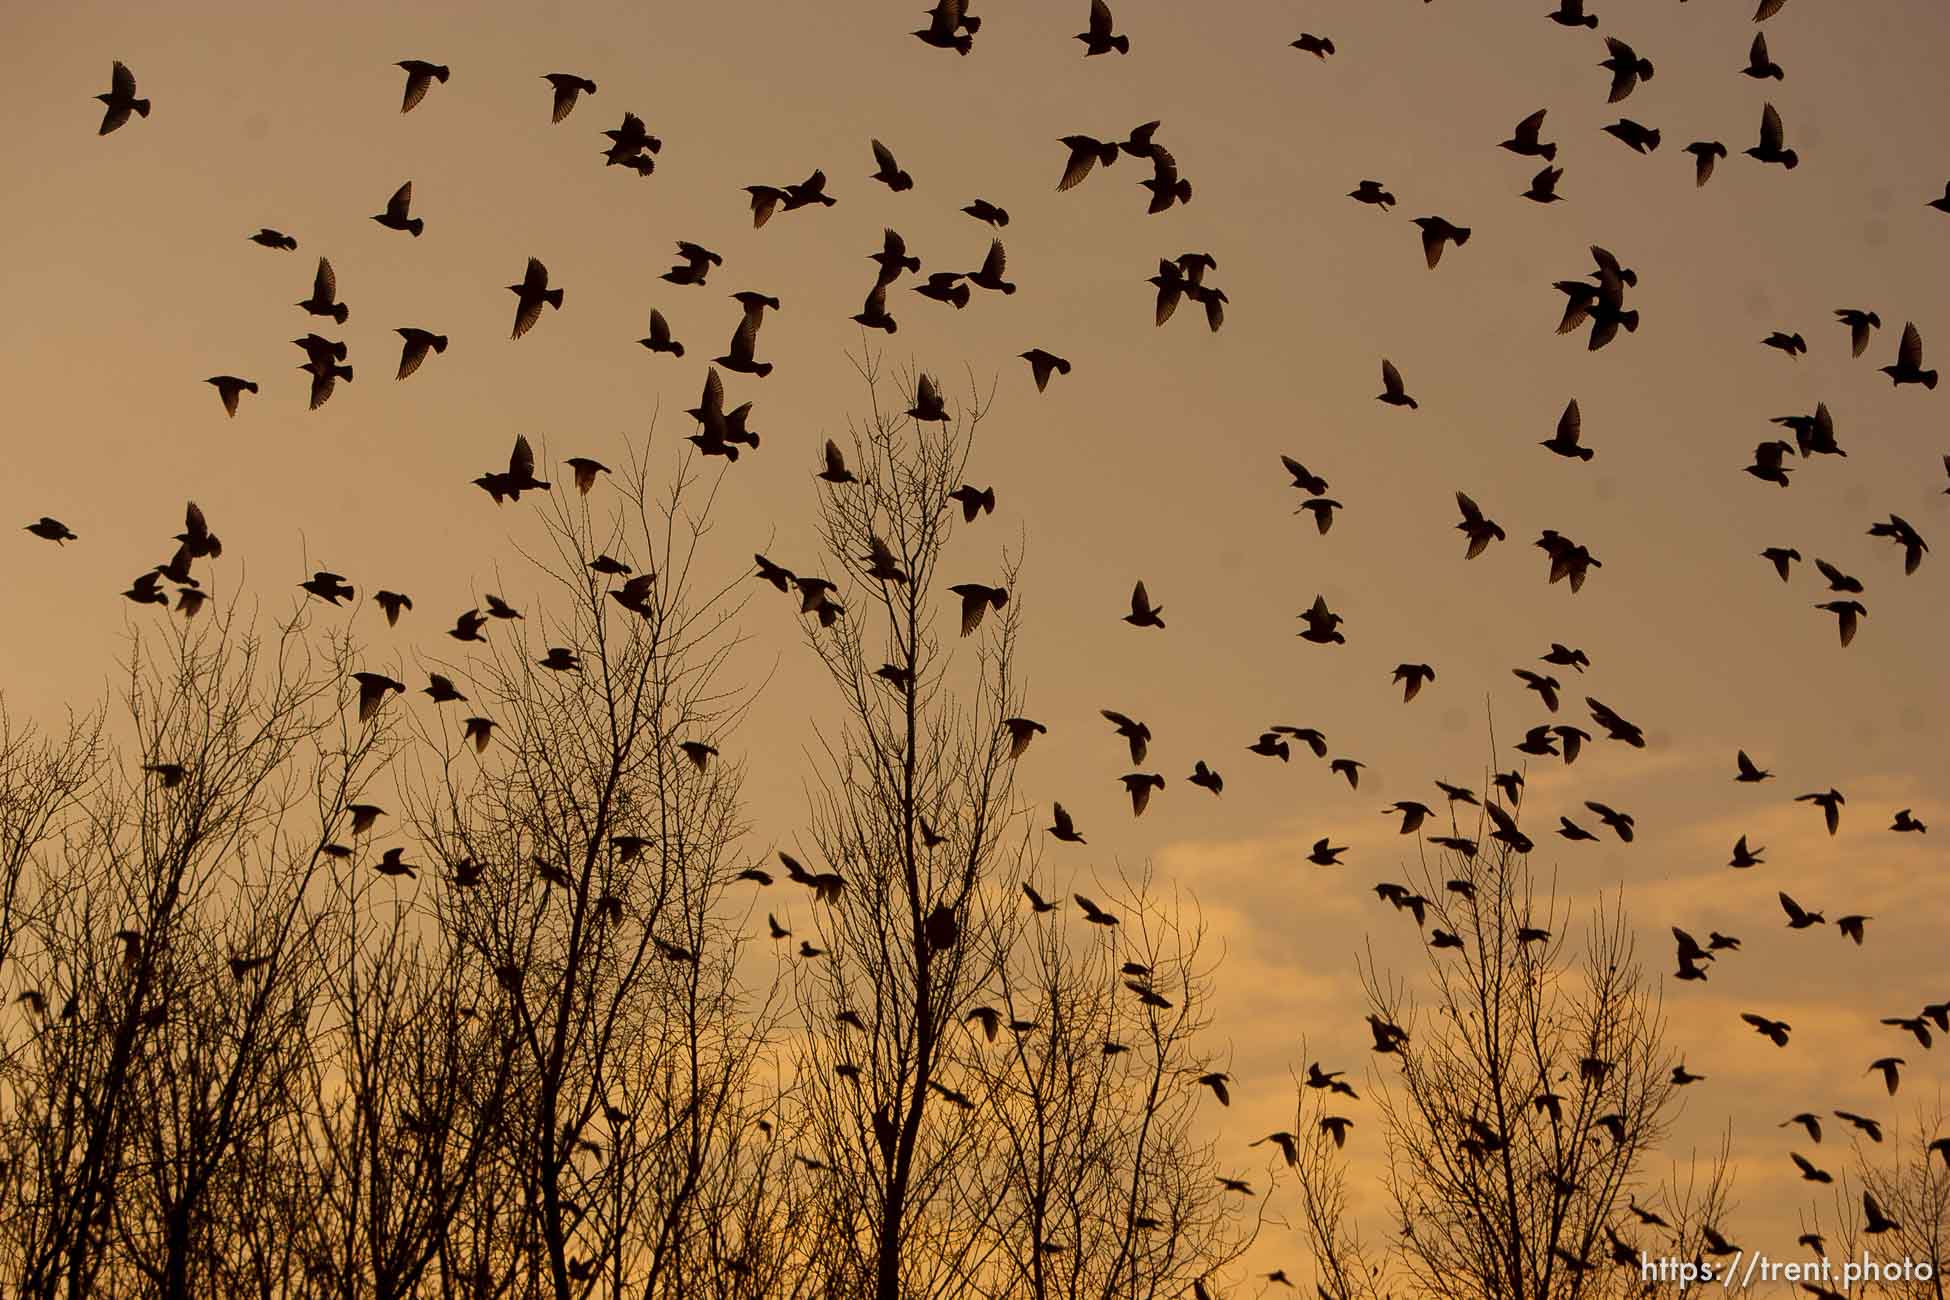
pixel 1908 1178
pixel 168 930
pixel 956 1111
pixel 578 860
pixel 1528 1100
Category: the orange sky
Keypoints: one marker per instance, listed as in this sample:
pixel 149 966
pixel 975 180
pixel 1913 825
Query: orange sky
pixel 129 280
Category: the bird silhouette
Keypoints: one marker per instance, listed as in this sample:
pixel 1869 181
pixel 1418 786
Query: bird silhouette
pixel 1392 391
pixel 1772 147
pixel 324 300
pixel 395 216
pixel 418 343
pixel 659 339
pixel 1704 153
pixel 1435 233
pixel 1627 68
pixel 530 296
pixel 1318 46
pixel 420 76
pixel 119 101
pixel 567 89
pixel 1099 39
pixel 1143 612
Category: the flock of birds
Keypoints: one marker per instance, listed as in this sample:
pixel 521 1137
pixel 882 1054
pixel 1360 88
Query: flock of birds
pixel 1598 300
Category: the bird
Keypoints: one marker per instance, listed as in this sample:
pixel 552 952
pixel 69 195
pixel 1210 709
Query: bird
pixel 983 210
pixel 1792 344
pixel 414 351
pixel 1064 828
pixel 392 863
pixel 1808 1169
pixel 567 89
pixel 1798 917
pixel 1092 913
pixel 1775 1031
pixel 395 216
pixel 1627 68
pixel 324 296
pixel 949 27
pixel 1371 192
pixel 1323 626
pixel 1781 557
pixel 1217 1081
pixel 1143 612
pixel 1570 13
pixel 1909 361
pixel 1139 786
pixel 1436 231
pixel 887 171
pixel 270 238
pixel 1861 324
pixel 1565 441
pixel 327 586
pixel 468 626
pixel 1543 186
pixel 1524 140
pixel 1099 38
pixel 976 600
pixel 1207 778
pixel 1772 147
pixel 441 689
pixel 119 100
pixel 696 266
pixel 992 268
pixel 519 476
pixel 1900 531
pixel 928 403
pixel 1136 733
pixel 1318 46
pixel 530 295
pixel 1830 804
pixel 372 692
pixel 1767 9
pixel 1305 480
pixel 1165 184
pixel 1637 136
pixel 1759 66
pixel 659 339
pixel 1392 391
pixel 1412 676
pixel 229 387
pixel 1768 466
pixel 1906 822
pixel 1620 823
pixel 1086 154
pixel 420 76
pixel 1479 529
pixel 1704 153
pixel 1322 509
pixel 1878 1222
pixel 1325 854
pixel 1042 364
pixel 741 357
pixel 1847 614
pixel 50 529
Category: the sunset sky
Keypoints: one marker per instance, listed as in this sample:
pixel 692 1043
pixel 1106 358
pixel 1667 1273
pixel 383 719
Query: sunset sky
pixel 129 279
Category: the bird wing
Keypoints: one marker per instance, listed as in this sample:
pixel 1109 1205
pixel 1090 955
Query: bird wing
pixel 996 262
pixel 1470 512
pixel 1083 156
pixel 884 157
pixel 835 462
pixel 1771 132
pixel 1530 126
pixel 925 393
pixel 325 285
pixel 521 461
pixel 1100 19
pixel 121 81
pixel 402 199
pixel 1570 425
pixel 1391 378
pixel 1139 601
pixel 744 343
pixel 1910 353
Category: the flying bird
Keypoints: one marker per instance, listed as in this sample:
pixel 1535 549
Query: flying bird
pixel 887 171
pixel 1318 46
pixel 119 100
pixel 1143 612
pixel 1704 153
pixel 414 351
pixel 1392 391
pixel 395 216
pixel 531 294
pixel 1627 68
pixel 420 76
pixel 567 89
pixel 1909 362
pixel 1435 233
pixel 1772 147
pixel 1524 140
pixel 1042 364
pixel 1099 38
pixel 324 297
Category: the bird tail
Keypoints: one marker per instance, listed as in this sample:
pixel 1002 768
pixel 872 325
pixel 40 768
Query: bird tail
pixel 1929 379
pixel 340 311
pixel 440 343
pixel 1630 320
pixel 971 25
pixel 1461 236
pixel 141 106
pixel 964 43
pixel 1008 288
pixel 1652 139
pixel 1184 191
pixel 344 372
pixel 762 369
pixel 1549 152
pixel 250 386
pixel 959 296
pixel 416 226
pixel 1122 44
pixel 553 298
pixel 1791 160
pixel 676 349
